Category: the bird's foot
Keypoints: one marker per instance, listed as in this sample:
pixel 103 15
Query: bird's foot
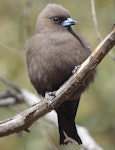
pixel 48 96
pixel 76 69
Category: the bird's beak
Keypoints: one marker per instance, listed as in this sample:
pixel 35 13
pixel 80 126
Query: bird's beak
pixel 69 22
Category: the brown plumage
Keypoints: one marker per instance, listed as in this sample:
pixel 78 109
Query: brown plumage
pixel 52 54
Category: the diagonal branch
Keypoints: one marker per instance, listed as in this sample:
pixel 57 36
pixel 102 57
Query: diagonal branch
pixel 26 118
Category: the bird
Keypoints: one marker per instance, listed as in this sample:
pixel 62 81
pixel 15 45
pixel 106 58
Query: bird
pixel 52 54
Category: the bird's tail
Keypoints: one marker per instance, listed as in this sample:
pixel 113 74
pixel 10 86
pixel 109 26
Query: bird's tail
pixel 67 129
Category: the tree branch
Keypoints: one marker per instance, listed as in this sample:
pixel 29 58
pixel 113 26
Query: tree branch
pixel 26 118
pixel 31 99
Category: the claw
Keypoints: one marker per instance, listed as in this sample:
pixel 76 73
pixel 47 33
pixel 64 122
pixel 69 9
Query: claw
pixel 48 96
pixel 76 69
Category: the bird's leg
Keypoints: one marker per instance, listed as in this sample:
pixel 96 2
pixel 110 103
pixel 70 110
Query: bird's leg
pixel 48 96
pixel 76 68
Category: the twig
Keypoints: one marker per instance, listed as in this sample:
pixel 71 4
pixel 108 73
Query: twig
pixel 10 84
pixel 95 20
pixel 99 36
pixel 19 52
pixel 10 97
pixel 26 118
pixel 24 28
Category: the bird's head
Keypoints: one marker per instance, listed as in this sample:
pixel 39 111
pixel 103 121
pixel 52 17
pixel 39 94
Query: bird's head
pixel 54 17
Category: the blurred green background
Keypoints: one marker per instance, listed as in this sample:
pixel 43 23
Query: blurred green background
pixel 97 107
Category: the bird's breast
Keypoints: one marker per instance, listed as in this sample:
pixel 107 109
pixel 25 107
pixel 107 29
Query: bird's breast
pixel 52 60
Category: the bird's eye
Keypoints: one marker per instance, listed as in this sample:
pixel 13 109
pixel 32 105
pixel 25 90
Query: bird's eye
pixel 56 19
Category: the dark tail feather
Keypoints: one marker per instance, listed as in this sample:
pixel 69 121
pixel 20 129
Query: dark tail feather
pixel 67 129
